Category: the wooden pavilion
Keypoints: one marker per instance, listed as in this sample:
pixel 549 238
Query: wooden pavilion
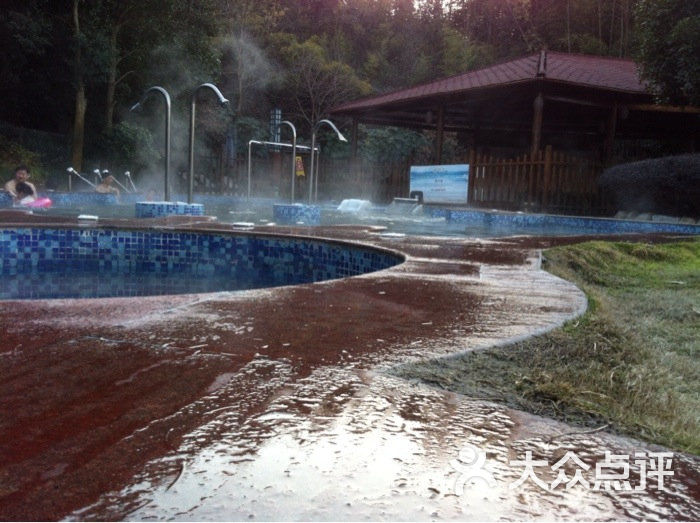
pixel 539 129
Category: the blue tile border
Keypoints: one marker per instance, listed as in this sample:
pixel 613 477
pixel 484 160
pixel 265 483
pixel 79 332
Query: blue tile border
pixel 238 260
pixel 297 213
pixel 538 222
pixel 157 209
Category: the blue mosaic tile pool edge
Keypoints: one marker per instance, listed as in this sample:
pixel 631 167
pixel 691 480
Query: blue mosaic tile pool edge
pixel 271 260
pixel 544 221
pixel 289 214
pixel 159 209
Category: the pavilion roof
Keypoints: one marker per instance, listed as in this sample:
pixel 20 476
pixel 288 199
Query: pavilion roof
pixel 593 72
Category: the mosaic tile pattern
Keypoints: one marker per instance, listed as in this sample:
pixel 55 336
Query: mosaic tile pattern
pixel 295 213
pixel 5 199
pixel 541 222
pixel 238 261
pixel 157 209
pixel 74 199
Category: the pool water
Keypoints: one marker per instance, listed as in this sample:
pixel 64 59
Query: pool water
pixel 65 262
pixel 418 224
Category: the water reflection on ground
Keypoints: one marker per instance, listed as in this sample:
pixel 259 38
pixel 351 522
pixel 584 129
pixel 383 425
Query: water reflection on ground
pixel 276 404
pixel 345 444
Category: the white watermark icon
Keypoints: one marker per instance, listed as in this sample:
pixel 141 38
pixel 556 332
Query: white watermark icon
pixel 470 464
pixel 612 473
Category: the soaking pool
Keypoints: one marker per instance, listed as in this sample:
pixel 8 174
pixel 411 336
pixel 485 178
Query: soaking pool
pixel 424 220
pixel 39 263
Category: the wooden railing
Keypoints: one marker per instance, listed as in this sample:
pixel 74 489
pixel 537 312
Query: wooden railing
pixel 547 181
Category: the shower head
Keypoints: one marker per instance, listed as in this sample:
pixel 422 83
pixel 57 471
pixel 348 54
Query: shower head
pixel 332 126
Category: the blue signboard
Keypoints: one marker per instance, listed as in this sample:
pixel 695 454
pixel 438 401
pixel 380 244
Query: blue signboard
pixel 441 183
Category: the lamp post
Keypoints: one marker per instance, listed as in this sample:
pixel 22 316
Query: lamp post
pixel 313 185
pixel 166 167
pixel 294 150
pixel 223 102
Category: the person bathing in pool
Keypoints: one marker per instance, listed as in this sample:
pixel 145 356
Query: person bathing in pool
pixel 26 197
pixel 24 194
pixel 106 186
pixel 21 176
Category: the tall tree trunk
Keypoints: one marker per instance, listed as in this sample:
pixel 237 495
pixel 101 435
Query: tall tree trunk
pixel 612 27
pixel 111 80
pixel 80 100
pixel 568 26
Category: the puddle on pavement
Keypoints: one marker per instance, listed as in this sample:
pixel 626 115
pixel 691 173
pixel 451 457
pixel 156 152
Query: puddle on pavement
pixel 344 444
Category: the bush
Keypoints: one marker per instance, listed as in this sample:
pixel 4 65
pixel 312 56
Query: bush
pixel 669 186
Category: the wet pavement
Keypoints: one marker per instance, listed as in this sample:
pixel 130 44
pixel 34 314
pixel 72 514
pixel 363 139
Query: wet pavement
pixel 275 404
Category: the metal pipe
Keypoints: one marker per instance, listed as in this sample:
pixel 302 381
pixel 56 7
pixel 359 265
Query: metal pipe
pixel 136 107
pixel 313 185
pixel 128 176
pixel 73 171
pixel 224 102
pixel 294 151
pixel 106 172
pixel 276 144
pixel 311 169
pixel 250 149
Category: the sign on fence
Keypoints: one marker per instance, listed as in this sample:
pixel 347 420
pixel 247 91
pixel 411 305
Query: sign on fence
pixel 441 183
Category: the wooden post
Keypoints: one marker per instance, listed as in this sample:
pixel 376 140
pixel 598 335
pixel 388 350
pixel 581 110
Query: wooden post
pixel 471 180
pixel 538 106
pixel 610 129
pixel 439 136
pixel 546 183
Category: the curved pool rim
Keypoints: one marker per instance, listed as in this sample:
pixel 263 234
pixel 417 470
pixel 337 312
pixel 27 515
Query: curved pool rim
pixel 47 261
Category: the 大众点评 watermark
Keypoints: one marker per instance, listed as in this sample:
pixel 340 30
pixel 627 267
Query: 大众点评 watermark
pixel 613 472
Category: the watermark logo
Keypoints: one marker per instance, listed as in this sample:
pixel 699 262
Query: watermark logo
pixel 612 473
pixel 470 464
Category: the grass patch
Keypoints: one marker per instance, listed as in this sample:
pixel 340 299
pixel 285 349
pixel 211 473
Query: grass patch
pixel 631 361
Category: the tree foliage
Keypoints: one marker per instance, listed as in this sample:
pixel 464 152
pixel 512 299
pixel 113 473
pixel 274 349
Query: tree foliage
pixel 669 48
pixel 304 56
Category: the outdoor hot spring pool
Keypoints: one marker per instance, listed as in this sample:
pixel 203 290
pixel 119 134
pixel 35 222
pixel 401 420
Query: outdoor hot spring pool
pixel 418 220
pixel 42 263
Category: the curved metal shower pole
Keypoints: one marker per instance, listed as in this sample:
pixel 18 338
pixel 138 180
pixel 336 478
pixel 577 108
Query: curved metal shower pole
pixel 313 182
pixel 136 107
pixel 224 102
pixel 294 151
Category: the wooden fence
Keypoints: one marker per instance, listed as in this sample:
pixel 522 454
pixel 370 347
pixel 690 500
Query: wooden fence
pixel 547 181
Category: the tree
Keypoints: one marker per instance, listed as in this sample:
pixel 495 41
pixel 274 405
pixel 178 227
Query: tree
pixel 668 35
pixel 80 99
pixel 315 83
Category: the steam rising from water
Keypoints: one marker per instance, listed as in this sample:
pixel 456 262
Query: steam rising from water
pixel 246 73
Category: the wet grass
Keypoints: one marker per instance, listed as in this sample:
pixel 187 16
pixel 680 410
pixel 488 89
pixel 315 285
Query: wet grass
pixel 630 362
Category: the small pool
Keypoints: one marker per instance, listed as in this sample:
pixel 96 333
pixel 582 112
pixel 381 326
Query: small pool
pixel 41 263
pixel 427 220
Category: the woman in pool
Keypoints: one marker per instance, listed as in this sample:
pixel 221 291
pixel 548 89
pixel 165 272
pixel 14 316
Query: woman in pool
pixel 26 197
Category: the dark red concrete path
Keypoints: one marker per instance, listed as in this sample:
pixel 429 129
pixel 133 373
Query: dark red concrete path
pixel 267 404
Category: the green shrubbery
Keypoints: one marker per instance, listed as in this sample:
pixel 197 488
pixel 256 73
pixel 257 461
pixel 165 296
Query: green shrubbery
pixel 669 186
